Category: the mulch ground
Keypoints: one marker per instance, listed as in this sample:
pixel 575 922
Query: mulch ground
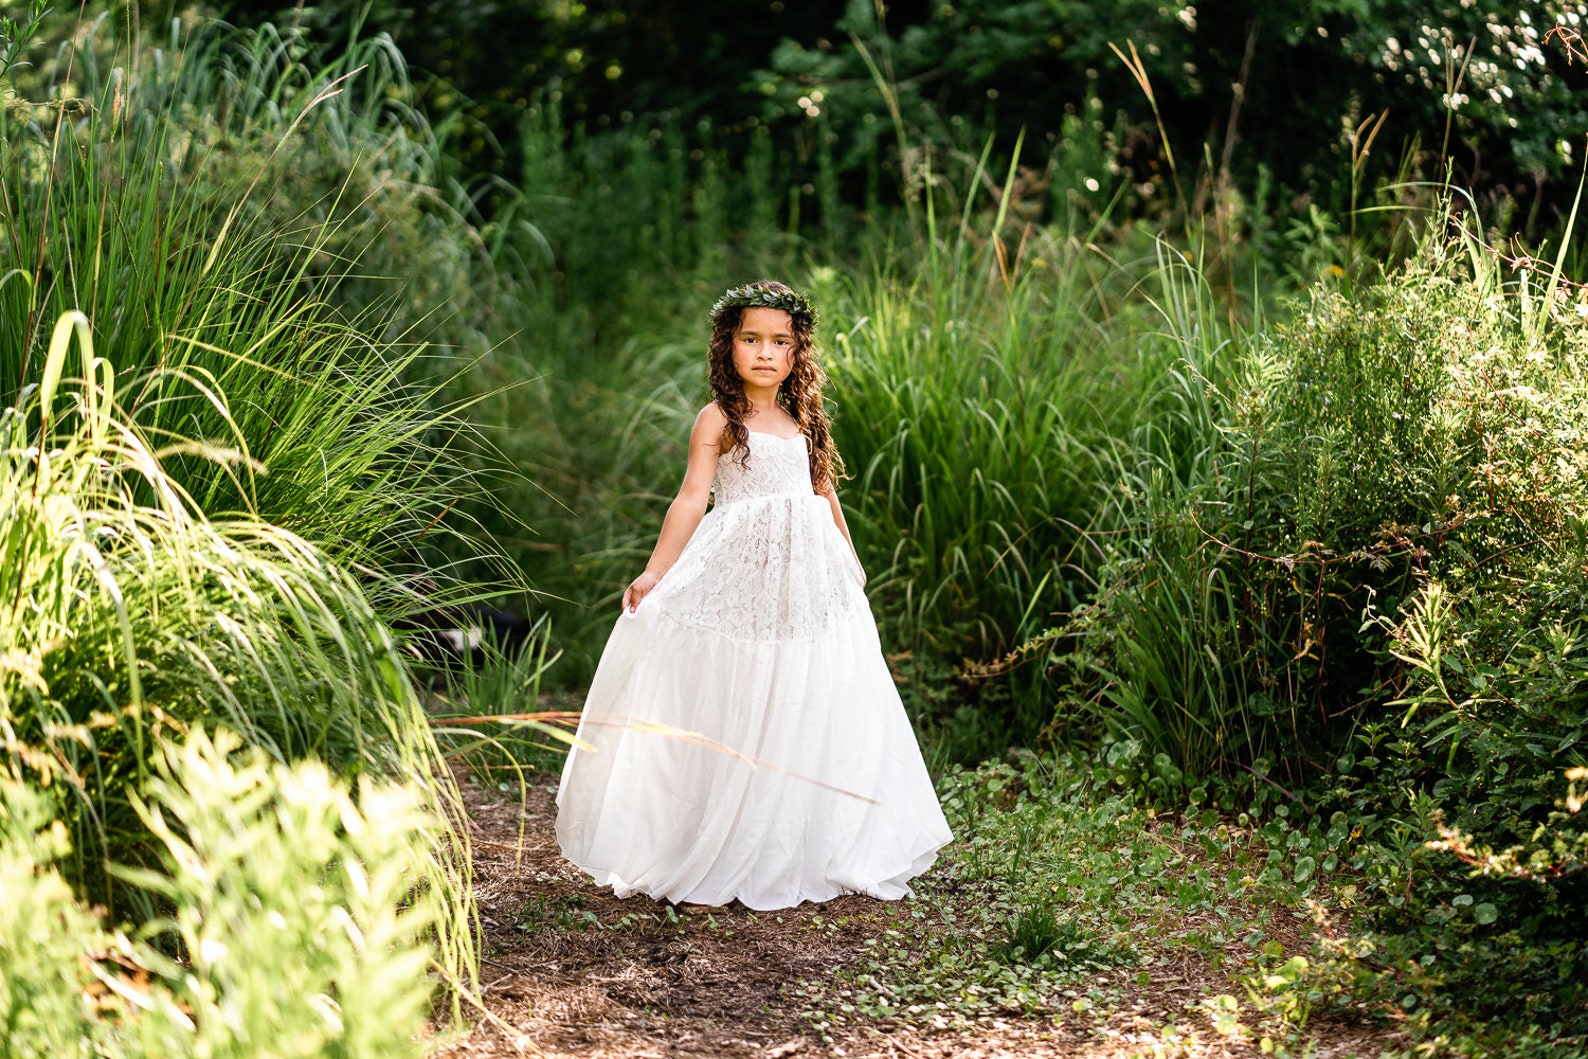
pixel 721 983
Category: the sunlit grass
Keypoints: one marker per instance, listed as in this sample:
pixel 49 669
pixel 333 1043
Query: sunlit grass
pixel 127 617
pixel 222 209
pixel 299 917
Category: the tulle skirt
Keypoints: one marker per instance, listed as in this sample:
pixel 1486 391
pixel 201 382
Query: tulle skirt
pixel 765 769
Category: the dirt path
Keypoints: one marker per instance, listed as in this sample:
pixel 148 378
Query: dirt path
pixel 574 972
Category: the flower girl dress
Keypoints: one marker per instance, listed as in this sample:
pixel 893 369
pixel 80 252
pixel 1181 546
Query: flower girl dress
pixel 743 738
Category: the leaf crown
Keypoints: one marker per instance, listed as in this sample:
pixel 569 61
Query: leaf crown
pixel 767 296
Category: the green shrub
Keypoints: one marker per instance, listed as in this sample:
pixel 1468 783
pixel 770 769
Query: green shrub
pixel 298 917
pixel 301 906
pixel 1363 586
pixel 1486 728
pixel 1423 428
pixel 47 937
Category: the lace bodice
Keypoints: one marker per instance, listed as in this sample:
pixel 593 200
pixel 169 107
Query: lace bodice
pixel 777 467
pixel 767 564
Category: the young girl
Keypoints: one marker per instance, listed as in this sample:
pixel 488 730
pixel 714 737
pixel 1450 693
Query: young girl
pixel 745 737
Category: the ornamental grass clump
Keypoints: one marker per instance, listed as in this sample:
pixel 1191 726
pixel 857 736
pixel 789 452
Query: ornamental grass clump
pixel 230 212
pixel 127 618
pixel 976 388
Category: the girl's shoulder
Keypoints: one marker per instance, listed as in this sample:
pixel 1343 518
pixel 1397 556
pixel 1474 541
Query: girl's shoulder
pixel 710 424
pixel 712 416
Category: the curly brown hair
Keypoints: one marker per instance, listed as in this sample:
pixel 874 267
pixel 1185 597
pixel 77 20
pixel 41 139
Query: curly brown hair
pixel 800 394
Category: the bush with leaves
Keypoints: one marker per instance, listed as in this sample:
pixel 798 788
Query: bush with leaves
pixel 1481 83
pixel 1425 428
pixel 1366 580
pixel 299 918
pixel 48 938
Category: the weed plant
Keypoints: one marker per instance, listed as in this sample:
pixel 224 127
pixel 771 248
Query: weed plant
pixel 1035 931
pixel 1065 900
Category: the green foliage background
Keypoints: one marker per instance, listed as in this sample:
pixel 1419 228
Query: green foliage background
pixel 1309 72
pixel 1233 455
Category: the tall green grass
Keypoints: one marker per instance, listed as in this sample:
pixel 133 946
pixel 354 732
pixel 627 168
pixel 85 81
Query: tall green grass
pixel 984 381
pixel 487 717
pixel 211 203
pixel 1160 671
pixel 127 617
pixel 983 367
pixel 206 513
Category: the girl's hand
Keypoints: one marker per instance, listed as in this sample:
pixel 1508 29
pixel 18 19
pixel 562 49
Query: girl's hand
pixel 638 589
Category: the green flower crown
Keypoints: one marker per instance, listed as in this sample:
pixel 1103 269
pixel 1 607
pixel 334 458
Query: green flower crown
pixel 760 296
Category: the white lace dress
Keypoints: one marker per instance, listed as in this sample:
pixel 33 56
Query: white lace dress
pixel 745 737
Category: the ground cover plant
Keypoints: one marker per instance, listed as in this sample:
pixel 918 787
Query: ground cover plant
pixel 1065 891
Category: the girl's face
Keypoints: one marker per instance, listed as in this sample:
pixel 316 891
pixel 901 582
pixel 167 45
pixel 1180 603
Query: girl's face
pixel 763 349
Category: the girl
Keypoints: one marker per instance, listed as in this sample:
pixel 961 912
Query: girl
pixel 744 737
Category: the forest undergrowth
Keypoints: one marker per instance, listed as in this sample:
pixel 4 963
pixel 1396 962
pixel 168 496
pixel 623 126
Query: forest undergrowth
pixel 1068 919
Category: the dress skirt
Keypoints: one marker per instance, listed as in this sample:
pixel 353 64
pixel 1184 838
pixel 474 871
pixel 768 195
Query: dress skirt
pixel 743 738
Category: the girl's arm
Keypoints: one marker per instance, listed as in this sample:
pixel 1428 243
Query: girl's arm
pixel 831 496
pixel 687 508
